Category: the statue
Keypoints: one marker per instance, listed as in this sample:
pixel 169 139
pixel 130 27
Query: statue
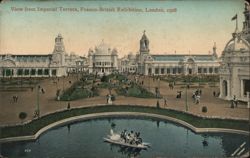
pixel 109 99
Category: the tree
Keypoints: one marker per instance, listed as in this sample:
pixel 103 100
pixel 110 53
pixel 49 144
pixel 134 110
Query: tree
pixel 104 78
pixel 22 116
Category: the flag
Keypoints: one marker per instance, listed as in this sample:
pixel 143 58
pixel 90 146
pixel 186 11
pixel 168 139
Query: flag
pixel 235 17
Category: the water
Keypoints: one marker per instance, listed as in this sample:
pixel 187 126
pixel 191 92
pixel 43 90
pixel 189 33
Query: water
pixel 85 139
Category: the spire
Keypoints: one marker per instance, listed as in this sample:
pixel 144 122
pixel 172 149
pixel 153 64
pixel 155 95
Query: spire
pixel 214 50
pixel 144 43
pixel 214 47
pixel 246 23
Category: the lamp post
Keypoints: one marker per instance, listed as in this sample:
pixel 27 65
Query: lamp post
pixel 186 105
pixel 230 78
pixel 63 81
pixel 186 99
pixel 248 100
pixel 37 101
pixel 159 78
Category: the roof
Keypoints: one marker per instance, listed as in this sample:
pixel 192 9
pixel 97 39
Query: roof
pixel 26 55
pixel 179 57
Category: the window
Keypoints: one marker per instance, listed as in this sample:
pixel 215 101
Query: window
pixel 246 86
pixel 20 72
pixel 26 72
pixel 149 71
pixel 179 70
pixel 210 70
pixel 40 71
pixel 54 72
pixel 162 70
pixel 168 70
pixel 199 70
pixel 46 72
pixel 216 70
pixel 156 71
pixel 33 71
pixel 174 70
pixel 205 70
pixel 8 72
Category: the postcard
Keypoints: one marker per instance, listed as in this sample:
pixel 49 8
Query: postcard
pixel 124 78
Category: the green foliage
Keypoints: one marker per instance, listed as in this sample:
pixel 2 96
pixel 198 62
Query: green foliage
pixel 76 91
pixel 103 85
pixel 192 78
pixel 158 104
pixel 204 109
pixel 104 78
pixel 113 98
pixel 32 127
pixel 135 91
pixel 22 115
pixel 118 77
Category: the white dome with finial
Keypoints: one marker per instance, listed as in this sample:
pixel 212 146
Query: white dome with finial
pixel 237 43
pixel 102 48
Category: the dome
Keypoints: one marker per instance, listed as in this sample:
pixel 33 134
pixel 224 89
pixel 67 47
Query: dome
pixel 237 45
pixel 131 56
pixel 103 48
pixel 114 51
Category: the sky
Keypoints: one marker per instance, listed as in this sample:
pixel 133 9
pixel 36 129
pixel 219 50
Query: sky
pixel 192 26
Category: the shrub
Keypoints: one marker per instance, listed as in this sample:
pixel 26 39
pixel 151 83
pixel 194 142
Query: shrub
pixel 204 109
pixel 22 116
pixel 104 79
pixel 158 104
pixel 112 97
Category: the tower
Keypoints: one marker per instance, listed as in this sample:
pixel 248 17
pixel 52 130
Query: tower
pixel 58 55
pixel 59 46
pixel 144 44
pixel 246 23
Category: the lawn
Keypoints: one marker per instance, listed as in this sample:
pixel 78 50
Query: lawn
pixel 32 127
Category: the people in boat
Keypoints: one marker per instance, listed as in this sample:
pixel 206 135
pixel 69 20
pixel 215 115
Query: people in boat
pixel 131 138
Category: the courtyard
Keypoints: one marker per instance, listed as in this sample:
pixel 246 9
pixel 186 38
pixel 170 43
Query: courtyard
pixel 29 98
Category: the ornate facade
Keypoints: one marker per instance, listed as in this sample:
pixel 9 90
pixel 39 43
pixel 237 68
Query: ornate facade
pixel 128 64
pixel 102 60
pixel 163 64
pixel 235 68
pixel 59 63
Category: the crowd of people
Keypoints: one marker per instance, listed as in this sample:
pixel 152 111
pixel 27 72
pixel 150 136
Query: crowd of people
pixel 131 137
pixel 234 102
pixel 196 96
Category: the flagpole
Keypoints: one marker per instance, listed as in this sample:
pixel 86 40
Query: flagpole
pixel 236 22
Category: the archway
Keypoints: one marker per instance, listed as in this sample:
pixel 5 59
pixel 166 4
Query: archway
pixel 224 87
pixel 190 66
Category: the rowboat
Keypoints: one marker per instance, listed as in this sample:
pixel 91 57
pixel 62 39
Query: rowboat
pixel 115 138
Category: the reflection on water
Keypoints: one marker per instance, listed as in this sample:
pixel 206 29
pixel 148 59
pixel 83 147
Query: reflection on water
pixel 125 151
pixel 85 139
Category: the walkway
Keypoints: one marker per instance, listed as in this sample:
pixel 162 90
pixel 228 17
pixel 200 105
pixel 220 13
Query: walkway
pixel 27 101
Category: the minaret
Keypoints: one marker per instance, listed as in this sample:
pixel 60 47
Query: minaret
pixel 144 44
